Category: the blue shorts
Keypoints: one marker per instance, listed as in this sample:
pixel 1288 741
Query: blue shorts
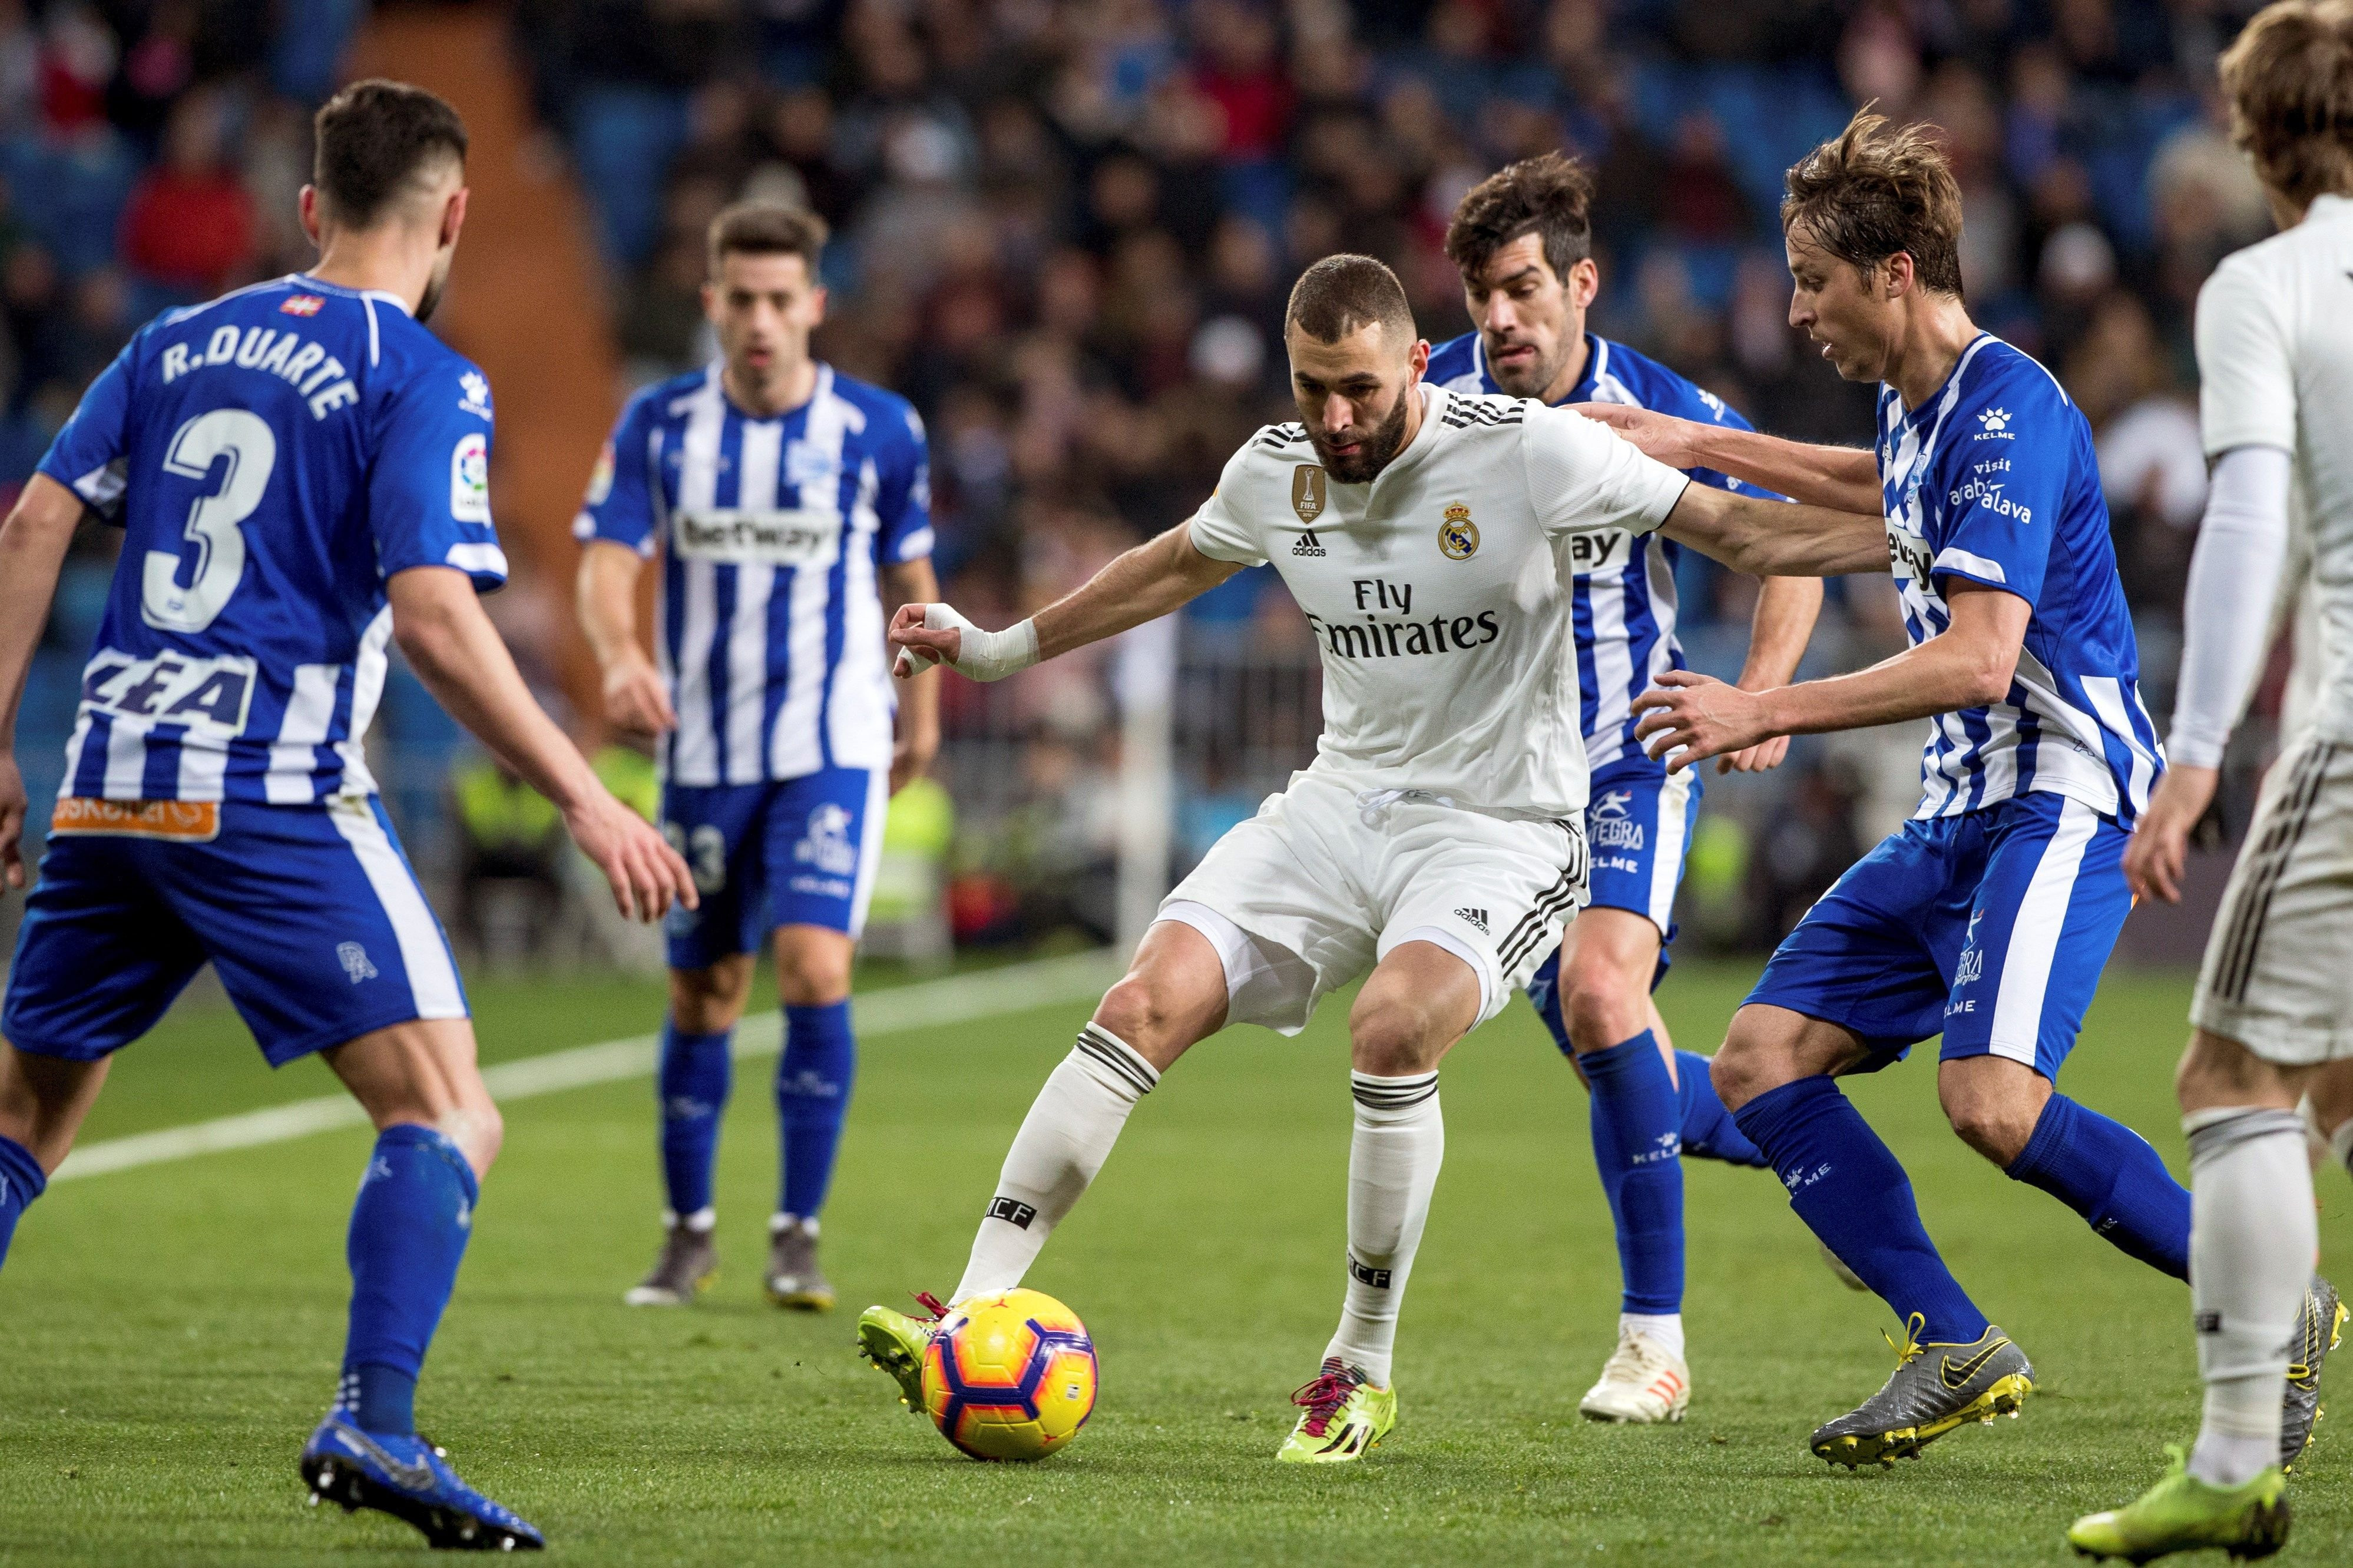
pixel 796 851
pixel 1638 828
pixel 1990 927
pixel 309 914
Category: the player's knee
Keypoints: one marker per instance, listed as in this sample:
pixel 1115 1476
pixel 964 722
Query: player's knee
pixel 1393 1037
pixel 1599 1006
pixel 1137 1012
pixel 813 977
pixel 706 1001
pixel 478 1129
pixel 1997 1125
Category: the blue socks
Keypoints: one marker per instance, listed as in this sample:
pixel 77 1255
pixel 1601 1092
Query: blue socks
pixel 21 1181
pixel 692 1082
pixel 813 1082
pixel 2108 1174
pixel 1637 1143
pixel 1709 1130
pixel 1848 1187
pixel 409 1233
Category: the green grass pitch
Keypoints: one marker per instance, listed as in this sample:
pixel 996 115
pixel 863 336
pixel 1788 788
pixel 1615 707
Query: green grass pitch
pixel 169 1335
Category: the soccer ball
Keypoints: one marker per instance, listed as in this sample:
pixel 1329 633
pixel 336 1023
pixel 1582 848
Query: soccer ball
pixel 1010 1376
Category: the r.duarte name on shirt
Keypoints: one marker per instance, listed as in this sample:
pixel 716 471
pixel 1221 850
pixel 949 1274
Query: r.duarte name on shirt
pixel 318 375
pixel 806 537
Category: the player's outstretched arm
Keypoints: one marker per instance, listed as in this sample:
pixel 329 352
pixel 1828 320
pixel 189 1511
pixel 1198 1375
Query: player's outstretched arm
pixel 1783 623
pixel 1777 538
pixel 635 699
pixel 1840 477
pixel 32 549
pixel 1967 665
pixel 918 740
pixel 450 643
pixel 1143 585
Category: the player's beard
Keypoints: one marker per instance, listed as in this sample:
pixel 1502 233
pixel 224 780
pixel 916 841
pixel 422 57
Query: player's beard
pixel 1533 383
pixel 434 287
pixel 1373 453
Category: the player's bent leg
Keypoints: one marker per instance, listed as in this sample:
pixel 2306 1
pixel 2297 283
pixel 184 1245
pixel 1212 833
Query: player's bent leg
pixel 1173 994
pixel 1953 1367
pixel 693 1080
pixel 438 1133
pixel 42 1102
pixel 1419 1000
pixel 814 1075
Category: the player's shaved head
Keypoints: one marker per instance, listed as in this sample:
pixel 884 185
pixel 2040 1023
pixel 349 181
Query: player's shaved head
pixel 1342 293
pixel 2289 78
pixel 378 141
pixel 1354 358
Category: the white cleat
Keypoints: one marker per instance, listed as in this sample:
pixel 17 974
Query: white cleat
pixel 1640 1385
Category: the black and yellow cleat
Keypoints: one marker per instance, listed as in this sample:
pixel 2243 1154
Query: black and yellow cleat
pixel 2182 1513
pixel 1936 1387
pixel 2317 1329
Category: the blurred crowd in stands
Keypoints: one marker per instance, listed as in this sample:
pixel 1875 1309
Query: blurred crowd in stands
pixel 1065 229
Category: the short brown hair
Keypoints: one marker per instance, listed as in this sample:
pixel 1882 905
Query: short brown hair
pixel 1343 292
pixel 2289 78
pixel 1877 190
pixel 767 228
pixel 1549 195
pixel 374 138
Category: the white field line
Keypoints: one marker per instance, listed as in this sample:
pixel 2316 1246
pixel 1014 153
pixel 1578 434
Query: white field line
pixel 1016 988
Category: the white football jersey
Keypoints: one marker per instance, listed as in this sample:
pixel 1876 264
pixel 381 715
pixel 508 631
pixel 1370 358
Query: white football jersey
pixel 2275 356
pixel 1435 593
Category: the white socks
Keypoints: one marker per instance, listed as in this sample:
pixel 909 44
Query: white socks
pixel 1393 1162
pixel 2252 1234
pixel 1063 1142
pixel 1664 1330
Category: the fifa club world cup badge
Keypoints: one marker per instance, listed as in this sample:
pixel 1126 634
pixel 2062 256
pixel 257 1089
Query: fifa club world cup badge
pixel 1458 535
pixel 1307 492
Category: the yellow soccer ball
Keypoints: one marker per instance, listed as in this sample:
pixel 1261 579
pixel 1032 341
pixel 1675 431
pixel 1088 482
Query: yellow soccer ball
pixel 1010 1376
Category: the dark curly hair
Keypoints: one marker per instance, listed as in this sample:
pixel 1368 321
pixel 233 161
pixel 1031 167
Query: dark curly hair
pixel 1877 190
pixel 1549 195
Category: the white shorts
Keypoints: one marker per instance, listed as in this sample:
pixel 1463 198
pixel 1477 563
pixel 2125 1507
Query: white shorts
pixel 2278 975
pixel 1318 886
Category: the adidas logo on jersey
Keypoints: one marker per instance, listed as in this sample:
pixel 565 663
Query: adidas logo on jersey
pixel 1308 545
pixel 1475 917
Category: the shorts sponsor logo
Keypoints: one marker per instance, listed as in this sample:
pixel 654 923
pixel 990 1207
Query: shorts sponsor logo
pixel 1614 826
pixel 1971 967
pixel 354 960
pixel 1474 917
pixel 1458 536
pixel 826 845
pixel 1375 1279
pixel 189 821
pixel 1012 1211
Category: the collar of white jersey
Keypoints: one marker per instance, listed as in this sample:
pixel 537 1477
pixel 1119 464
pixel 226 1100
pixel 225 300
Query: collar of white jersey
pixel 304 281
pixel 2329 208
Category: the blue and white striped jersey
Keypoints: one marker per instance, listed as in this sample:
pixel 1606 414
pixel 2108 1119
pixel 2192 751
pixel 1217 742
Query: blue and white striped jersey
pixel 1994 480
pixel 770 625
pixel 1622 589
pixel 272 457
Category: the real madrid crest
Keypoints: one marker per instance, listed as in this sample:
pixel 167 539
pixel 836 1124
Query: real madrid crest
pixel 1458 535
pixel 1307 492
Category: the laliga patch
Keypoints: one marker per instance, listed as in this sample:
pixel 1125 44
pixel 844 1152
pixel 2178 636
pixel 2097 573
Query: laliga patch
pixel 469 480
pixel 189 821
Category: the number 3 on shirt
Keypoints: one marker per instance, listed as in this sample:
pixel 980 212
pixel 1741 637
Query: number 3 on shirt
pixel 252 452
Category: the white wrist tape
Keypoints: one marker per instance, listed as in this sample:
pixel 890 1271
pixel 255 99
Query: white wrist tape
pixel 984 656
